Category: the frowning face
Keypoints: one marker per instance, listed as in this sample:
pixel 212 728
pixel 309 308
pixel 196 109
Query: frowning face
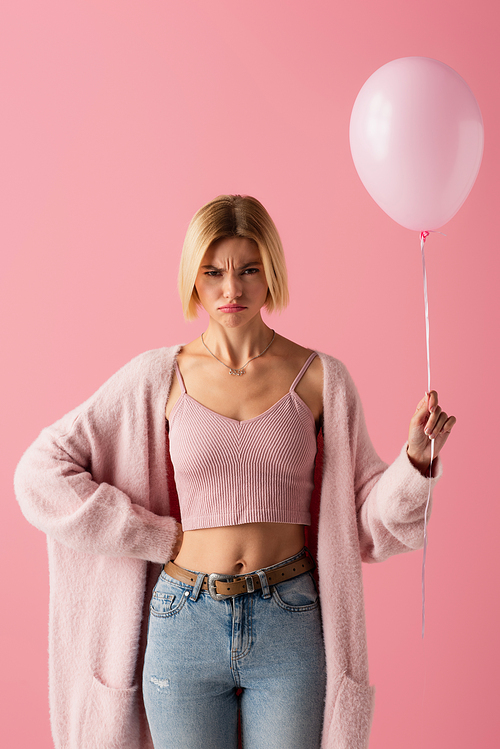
pixel 231 283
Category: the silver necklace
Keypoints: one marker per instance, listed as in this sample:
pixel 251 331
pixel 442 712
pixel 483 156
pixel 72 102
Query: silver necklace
pixel 241 371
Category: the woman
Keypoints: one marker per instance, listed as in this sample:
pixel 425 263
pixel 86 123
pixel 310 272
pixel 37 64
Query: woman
pixel 237 610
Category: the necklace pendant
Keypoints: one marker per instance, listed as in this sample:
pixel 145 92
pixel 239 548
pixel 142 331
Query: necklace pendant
pixel 238 372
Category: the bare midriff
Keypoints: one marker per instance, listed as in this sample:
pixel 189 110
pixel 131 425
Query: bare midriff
pixel 239 549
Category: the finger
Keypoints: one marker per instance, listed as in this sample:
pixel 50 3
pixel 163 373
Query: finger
pixel 437 422
pixel 432 421
pixel 442 432
pixel 448 425
pixel 443 426
pixel 422 405
pixel 432 401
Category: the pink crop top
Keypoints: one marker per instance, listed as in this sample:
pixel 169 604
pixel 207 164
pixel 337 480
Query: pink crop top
pixel 229 472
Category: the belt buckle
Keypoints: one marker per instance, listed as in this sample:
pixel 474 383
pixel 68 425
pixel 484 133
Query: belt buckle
pixel 212 579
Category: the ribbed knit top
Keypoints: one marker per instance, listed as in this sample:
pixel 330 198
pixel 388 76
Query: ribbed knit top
pixel 229 472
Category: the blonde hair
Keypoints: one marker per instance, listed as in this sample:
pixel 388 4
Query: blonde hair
pixel 232 216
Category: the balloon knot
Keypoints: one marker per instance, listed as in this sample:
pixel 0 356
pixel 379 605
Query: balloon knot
pixel 424 235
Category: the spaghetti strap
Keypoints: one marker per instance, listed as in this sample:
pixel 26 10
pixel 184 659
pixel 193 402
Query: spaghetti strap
pixel 179 377
pixel 302 371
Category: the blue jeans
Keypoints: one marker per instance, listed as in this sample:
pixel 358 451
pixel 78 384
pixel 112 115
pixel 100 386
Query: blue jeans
pixel 261 653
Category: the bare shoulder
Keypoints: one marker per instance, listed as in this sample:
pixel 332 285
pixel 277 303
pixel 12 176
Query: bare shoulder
pixel 299 355
pixel 186 359
pixel 188 356
pixel 310 387
pixel 289 349
pixel 315 371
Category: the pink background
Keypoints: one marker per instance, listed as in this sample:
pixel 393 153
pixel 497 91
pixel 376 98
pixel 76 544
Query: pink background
pixel 119 119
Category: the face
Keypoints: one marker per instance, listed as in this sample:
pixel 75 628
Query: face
pixel 231 282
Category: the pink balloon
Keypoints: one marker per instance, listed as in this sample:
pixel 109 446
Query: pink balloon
pixel 416 138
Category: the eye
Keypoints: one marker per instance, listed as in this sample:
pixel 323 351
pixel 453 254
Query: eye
pixel 212 273
pixel 250 271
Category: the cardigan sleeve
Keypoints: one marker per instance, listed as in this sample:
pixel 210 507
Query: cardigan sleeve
pixel 390 500
pixel 72 485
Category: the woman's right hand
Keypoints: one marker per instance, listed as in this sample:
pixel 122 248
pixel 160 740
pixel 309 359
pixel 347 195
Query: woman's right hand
pixel 178 542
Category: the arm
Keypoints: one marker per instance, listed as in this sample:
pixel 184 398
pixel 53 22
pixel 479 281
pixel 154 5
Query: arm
pixel 88 480
pixel 391 501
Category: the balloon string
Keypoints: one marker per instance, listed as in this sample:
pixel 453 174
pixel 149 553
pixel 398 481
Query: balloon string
pixel 423 237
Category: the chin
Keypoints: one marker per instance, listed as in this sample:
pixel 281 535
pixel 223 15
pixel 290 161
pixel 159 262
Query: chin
pixel 231 321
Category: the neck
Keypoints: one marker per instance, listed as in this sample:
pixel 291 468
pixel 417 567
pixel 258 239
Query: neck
pixel 235 346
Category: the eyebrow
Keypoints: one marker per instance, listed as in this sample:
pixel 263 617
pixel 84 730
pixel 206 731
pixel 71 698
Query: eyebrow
pixel 242 267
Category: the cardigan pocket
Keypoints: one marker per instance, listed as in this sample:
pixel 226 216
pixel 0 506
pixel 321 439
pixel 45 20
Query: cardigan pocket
pixel 113 717
pixel 352 716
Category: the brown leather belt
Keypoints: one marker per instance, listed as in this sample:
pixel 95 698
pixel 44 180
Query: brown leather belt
pixel 221 587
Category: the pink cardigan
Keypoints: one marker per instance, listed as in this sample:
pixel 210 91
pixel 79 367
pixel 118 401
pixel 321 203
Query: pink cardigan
pixel 95 483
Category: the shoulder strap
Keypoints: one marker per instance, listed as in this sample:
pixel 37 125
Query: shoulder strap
pixel 302 371
pixel 179 377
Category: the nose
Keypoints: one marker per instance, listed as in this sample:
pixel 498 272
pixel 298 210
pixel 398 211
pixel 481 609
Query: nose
pixel 232 287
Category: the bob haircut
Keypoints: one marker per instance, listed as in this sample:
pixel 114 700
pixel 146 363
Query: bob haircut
pixel 232 216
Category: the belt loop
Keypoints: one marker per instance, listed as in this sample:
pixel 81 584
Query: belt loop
pixel 266 593
pixel 197 587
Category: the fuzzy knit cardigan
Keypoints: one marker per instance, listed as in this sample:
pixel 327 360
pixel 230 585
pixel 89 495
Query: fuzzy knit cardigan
pixel 96 483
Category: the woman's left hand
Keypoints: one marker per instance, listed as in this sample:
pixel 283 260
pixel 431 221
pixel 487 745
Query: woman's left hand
pixel 428 422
